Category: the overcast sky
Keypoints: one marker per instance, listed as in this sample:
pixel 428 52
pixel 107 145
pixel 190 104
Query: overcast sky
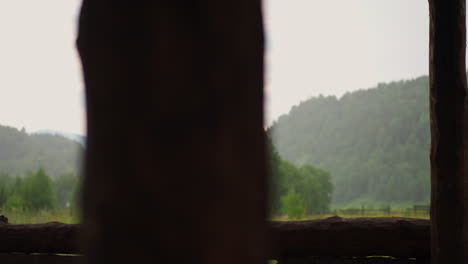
pixel 313 47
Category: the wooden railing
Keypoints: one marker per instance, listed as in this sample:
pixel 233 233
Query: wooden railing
pixel 351 240
pixel 326 241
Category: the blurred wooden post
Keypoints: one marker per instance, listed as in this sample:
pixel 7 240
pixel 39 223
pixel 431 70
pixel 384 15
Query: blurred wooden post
pixel 174 93
pixel 448 101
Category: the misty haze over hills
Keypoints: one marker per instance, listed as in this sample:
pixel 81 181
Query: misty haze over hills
pixel 21 152
pixel 72 136
pixel 375 142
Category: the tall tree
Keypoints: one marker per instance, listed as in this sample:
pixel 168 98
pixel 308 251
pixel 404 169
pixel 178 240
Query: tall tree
pixel 65 188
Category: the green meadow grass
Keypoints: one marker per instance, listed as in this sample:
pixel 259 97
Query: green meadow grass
pixel 67 216
pixel 70 216
pixel 364 213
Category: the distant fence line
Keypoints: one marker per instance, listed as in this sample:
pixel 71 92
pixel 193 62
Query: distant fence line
pixel 417 209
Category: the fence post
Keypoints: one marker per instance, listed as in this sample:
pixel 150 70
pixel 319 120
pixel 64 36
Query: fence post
pixel 175 163
pixel 448 100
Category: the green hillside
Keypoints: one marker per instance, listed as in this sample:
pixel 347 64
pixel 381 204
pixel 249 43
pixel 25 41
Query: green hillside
pixel 296 191
pixel 375 142
pixel 21 152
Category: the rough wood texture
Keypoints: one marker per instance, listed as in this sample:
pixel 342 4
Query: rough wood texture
pixel 392 236
pixel 38 259
pixel 349 260
pixel 352 237
pixel 174 93
pixel 449 158
pixel 39 238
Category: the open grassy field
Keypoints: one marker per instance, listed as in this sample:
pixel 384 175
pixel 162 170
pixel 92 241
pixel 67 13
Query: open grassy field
pixel 348 213
pixel 68 216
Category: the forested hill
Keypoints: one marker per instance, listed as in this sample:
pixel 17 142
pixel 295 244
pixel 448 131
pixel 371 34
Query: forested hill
pixel 375 142
pixel 20 152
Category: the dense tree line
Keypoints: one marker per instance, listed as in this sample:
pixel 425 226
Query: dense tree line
pixel 37 190
pixel 296 191
pixel 375 142
pixel 20 152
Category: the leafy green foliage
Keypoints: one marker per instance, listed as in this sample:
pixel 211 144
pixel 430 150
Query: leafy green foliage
pixel 297 191
pixel 66 187
pixel 37 191
pixel 41 191
pixel 374 142
pixel 293 205
pixel 14 202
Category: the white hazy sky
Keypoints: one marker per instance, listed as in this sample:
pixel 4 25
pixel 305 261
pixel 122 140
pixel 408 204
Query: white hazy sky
pixel 313 47
pixel 40 74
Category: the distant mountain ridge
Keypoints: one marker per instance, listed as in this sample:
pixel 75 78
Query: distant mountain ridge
pixel 375 142
pixel 75 137
pixel 21 152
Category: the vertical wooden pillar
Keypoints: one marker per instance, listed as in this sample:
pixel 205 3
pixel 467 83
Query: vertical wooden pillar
pixel 448 125
pixel 175 167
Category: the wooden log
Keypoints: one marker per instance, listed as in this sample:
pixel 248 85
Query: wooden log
pixel 352 237
pixel 39 238
pixel 174 93
pixel 449 132
pixel 353 260
pixel 39 259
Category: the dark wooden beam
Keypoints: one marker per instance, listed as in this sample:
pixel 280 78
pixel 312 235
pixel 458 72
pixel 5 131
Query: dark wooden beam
pixel 175 146
pixel 39 238
pixel 353 260
pixel 39 259
pixel 449 158
pixel 352 237
pixel 331 237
